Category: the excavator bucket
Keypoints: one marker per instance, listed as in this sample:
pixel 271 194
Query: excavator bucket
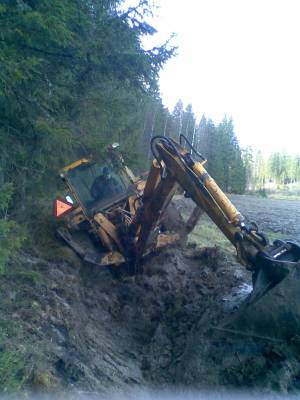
pixel 272 310
pixel 274 266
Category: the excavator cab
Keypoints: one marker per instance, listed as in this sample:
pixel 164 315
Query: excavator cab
pixel 97 187
pixel 93 210
pixel 101 205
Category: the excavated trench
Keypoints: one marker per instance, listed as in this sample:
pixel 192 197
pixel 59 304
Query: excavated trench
pixel 74 326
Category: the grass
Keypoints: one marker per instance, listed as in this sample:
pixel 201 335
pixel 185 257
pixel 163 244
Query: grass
pixel 26 276
pixel 283 196
pixel 13 360
pixel 207 234
pixel 283 192
pixel 12 370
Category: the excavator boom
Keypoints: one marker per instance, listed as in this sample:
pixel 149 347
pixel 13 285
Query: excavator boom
pixel 173 165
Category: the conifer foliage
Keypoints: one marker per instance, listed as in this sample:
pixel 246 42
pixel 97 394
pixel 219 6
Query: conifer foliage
pixel 73 77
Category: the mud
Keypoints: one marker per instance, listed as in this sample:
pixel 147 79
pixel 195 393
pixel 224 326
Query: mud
pixel 73 326
pixel 82 327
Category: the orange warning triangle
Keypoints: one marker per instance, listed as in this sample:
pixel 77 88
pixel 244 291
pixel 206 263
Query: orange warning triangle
pixel 61 207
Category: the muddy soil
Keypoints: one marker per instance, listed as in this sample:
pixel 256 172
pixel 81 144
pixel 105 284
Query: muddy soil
pixel 65 324
pixel 81 327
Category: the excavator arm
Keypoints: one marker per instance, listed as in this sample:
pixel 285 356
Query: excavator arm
pixel 175 166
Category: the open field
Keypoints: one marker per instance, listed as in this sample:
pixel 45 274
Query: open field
pixel 282 192
pixel 279 219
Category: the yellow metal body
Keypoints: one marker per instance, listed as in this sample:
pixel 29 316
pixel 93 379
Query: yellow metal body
pixel 229 210
pixel 76 164
pixel 124 229
pixel 104 226
pixel 130 228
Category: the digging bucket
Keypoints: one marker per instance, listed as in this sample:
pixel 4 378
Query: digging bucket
pixel 273 307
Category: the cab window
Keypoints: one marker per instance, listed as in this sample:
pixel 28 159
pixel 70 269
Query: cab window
pixel 97 186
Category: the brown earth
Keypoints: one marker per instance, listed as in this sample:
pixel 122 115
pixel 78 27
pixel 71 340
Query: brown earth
pixel 278 216
pixel 68 325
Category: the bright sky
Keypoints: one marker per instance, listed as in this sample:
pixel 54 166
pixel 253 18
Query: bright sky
pixel 236 57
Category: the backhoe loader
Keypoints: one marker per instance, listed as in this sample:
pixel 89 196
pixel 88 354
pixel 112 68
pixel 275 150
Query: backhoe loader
pixel 124 215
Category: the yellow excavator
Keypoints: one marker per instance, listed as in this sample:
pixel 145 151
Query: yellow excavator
pixel 125 216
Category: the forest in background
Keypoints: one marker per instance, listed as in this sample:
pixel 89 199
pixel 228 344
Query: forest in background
pixel 236 169
pixel 74 77
pixel 277 170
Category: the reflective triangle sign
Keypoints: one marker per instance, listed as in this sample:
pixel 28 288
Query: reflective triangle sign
pixel 61 207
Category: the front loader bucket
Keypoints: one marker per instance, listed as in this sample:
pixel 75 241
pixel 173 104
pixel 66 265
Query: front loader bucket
pixel 83 246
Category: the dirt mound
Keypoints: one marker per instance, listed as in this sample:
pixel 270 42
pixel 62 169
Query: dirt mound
pixel 65 324
pixel 73 325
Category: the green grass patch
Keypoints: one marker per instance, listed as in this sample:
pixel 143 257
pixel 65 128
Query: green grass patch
pixel 13 359
pixel 284 196
pixel 275 235
pixel 207 234
pixel 12 370
pixel 32 277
